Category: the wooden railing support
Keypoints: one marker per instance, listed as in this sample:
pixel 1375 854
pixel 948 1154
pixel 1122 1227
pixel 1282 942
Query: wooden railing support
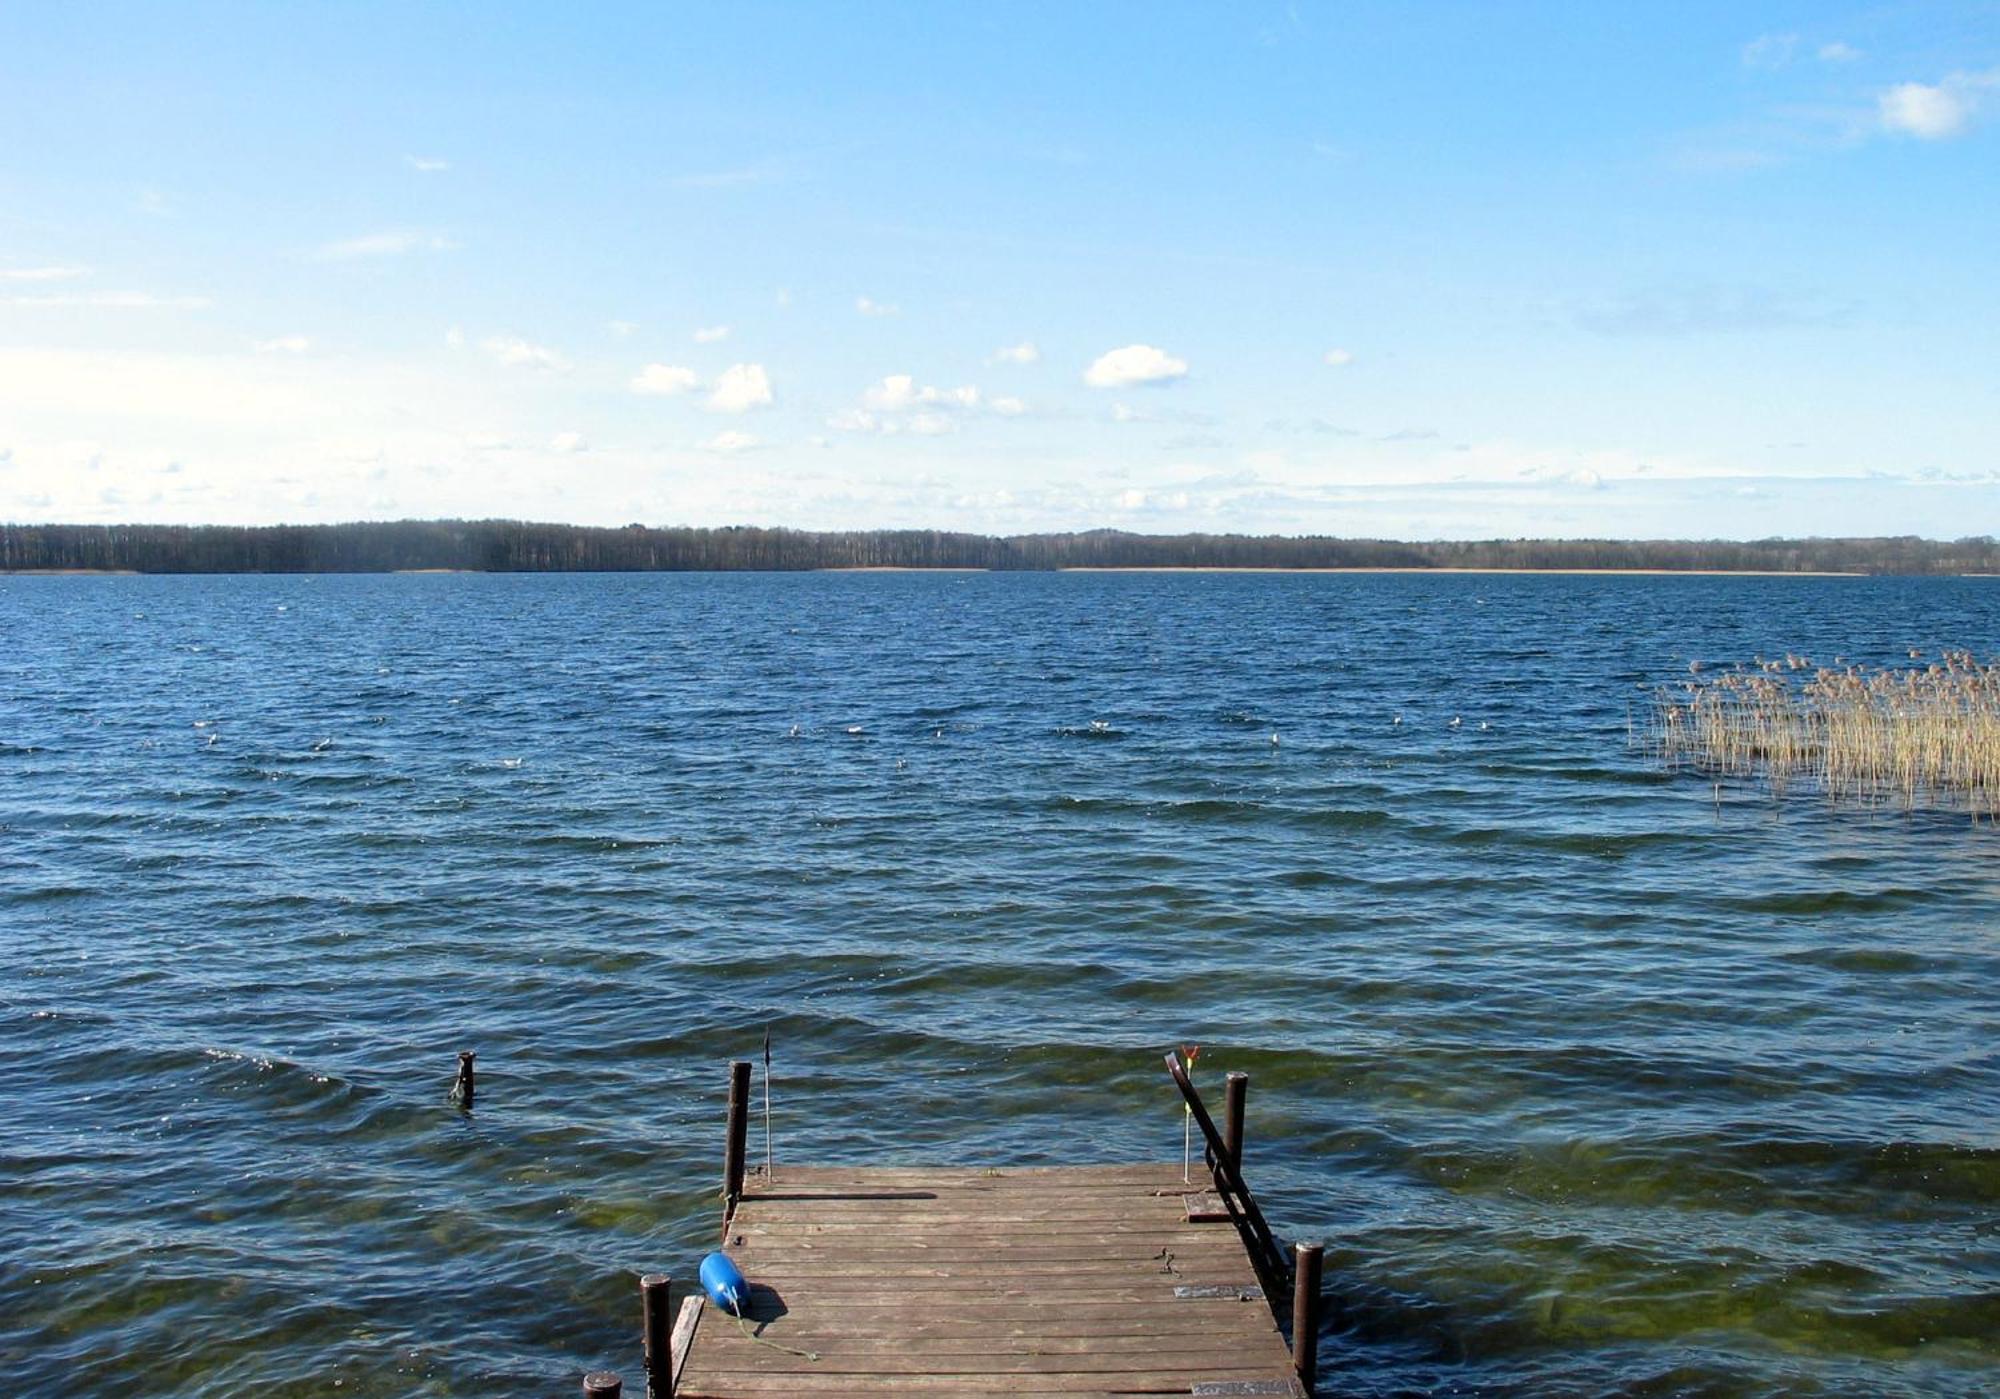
pixel 1235 1088
pixel 658 1329
pixel 1305 1312
pixel 739 1128
pixel 603 1384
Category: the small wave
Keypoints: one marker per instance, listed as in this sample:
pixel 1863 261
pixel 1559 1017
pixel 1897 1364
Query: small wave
pixel 1861 959
pixel 1807 903
pixel 51 893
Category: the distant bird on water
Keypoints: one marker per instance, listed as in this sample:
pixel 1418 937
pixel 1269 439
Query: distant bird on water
pixel 1455 721
pixel 1397 720
pixel 1274 740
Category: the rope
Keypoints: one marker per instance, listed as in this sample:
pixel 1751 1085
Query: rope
pixel 743 1322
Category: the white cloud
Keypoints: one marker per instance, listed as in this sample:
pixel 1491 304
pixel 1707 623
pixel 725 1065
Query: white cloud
pixel 454 338
pixel 1134 364
pixel 895 391
pixel 115 300
pixel 1023 353
pixel 710 334
pixel 1120 413
pixel 857 420
pixel 54 273
pixel 284 345
pixel 730 442
pixel 622 329
pixel 898 404
pixel 1930 113
pixel 1935 111
pixel 665 380
pixel 1339 359
pixel 427 164
pixel 740 388
pixel 517 353
pixel 900 391
pixel 391 244
pixel 1838 52
pixel 569 442
pixel 868 307
pixel 1770 51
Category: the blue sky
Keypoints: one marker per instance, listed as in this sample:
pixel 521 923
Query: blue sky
pixel 1444 270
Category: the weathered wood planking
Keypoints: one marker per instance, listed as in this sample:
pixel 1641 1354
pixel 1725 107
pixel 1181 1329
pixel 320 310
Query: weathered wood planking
pixel 953 1280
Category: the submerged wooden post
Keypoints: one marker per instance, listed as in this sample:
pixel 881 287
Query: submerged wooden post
pixel 461 1088
pixel 603 1384
pixel 1235 1088
pixel 659 1334
pixel 739 1128
pixel 1305 1312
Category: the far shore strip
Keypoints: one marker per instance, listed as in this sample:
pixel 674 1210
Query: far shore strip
pixel 1074 568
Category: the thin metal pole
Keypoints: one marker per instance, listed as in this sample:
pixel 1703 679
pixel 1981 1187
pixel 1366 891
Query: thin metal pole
pixel 603 1384
pixel 654 1290
pixel 739 1127
pixel 1305 1313
pixel 1235 1088
pixel 769 1169
pixel 1269 1258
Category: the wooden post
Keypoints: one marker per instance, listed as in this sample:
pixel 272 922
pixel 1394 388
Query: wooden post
pixel 1305 1313
pixel 1235 1087
pixel 739 1128
pixel 659 1334
pixel 603 1384
pixel 461 1089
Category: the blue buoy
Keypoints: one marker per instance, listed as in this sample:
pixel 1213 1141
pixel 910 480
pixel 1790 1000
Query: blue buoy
pixel 724 1283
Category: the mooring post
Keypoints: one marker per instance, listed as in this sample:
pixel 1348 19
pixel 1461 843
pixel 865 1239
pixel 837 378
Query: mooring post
pixel 659 1333
pixel 461 1088
pixel 603 1384
pixel 1235 1087
pixel 739 1129
pixel 1305 1312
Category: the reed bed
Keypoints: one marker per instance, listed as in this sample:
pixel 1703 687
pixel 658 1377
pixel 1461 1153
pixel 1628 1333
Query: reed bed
pixel 1922 735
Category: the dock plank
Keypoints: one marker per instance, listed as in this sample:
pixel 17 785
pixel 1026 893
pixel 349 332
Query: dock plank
pixel 965 1280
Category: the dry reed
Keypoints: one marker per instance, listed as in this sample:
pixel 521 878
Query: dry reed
pixel 1917 735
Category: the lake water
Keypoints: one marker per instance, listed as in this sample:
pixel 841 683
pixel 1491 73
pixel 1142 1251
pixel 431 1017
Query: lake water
pixel 1591 1084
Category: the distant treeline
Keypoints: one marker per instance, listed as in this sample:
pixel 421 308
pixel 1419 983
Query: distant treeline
pixel 510 546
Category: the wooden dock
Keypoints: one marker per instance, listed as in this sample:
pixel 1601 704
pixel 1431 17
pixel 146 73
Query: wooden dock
pixel 942 1280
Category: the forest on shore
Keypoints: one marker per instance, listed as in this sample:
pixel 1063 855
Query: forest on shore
pixel 513 546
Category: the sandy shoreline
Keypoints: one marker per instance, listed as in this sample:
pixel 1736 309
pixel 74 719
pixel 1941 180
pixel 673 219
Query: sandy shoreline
pixel 1620 572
